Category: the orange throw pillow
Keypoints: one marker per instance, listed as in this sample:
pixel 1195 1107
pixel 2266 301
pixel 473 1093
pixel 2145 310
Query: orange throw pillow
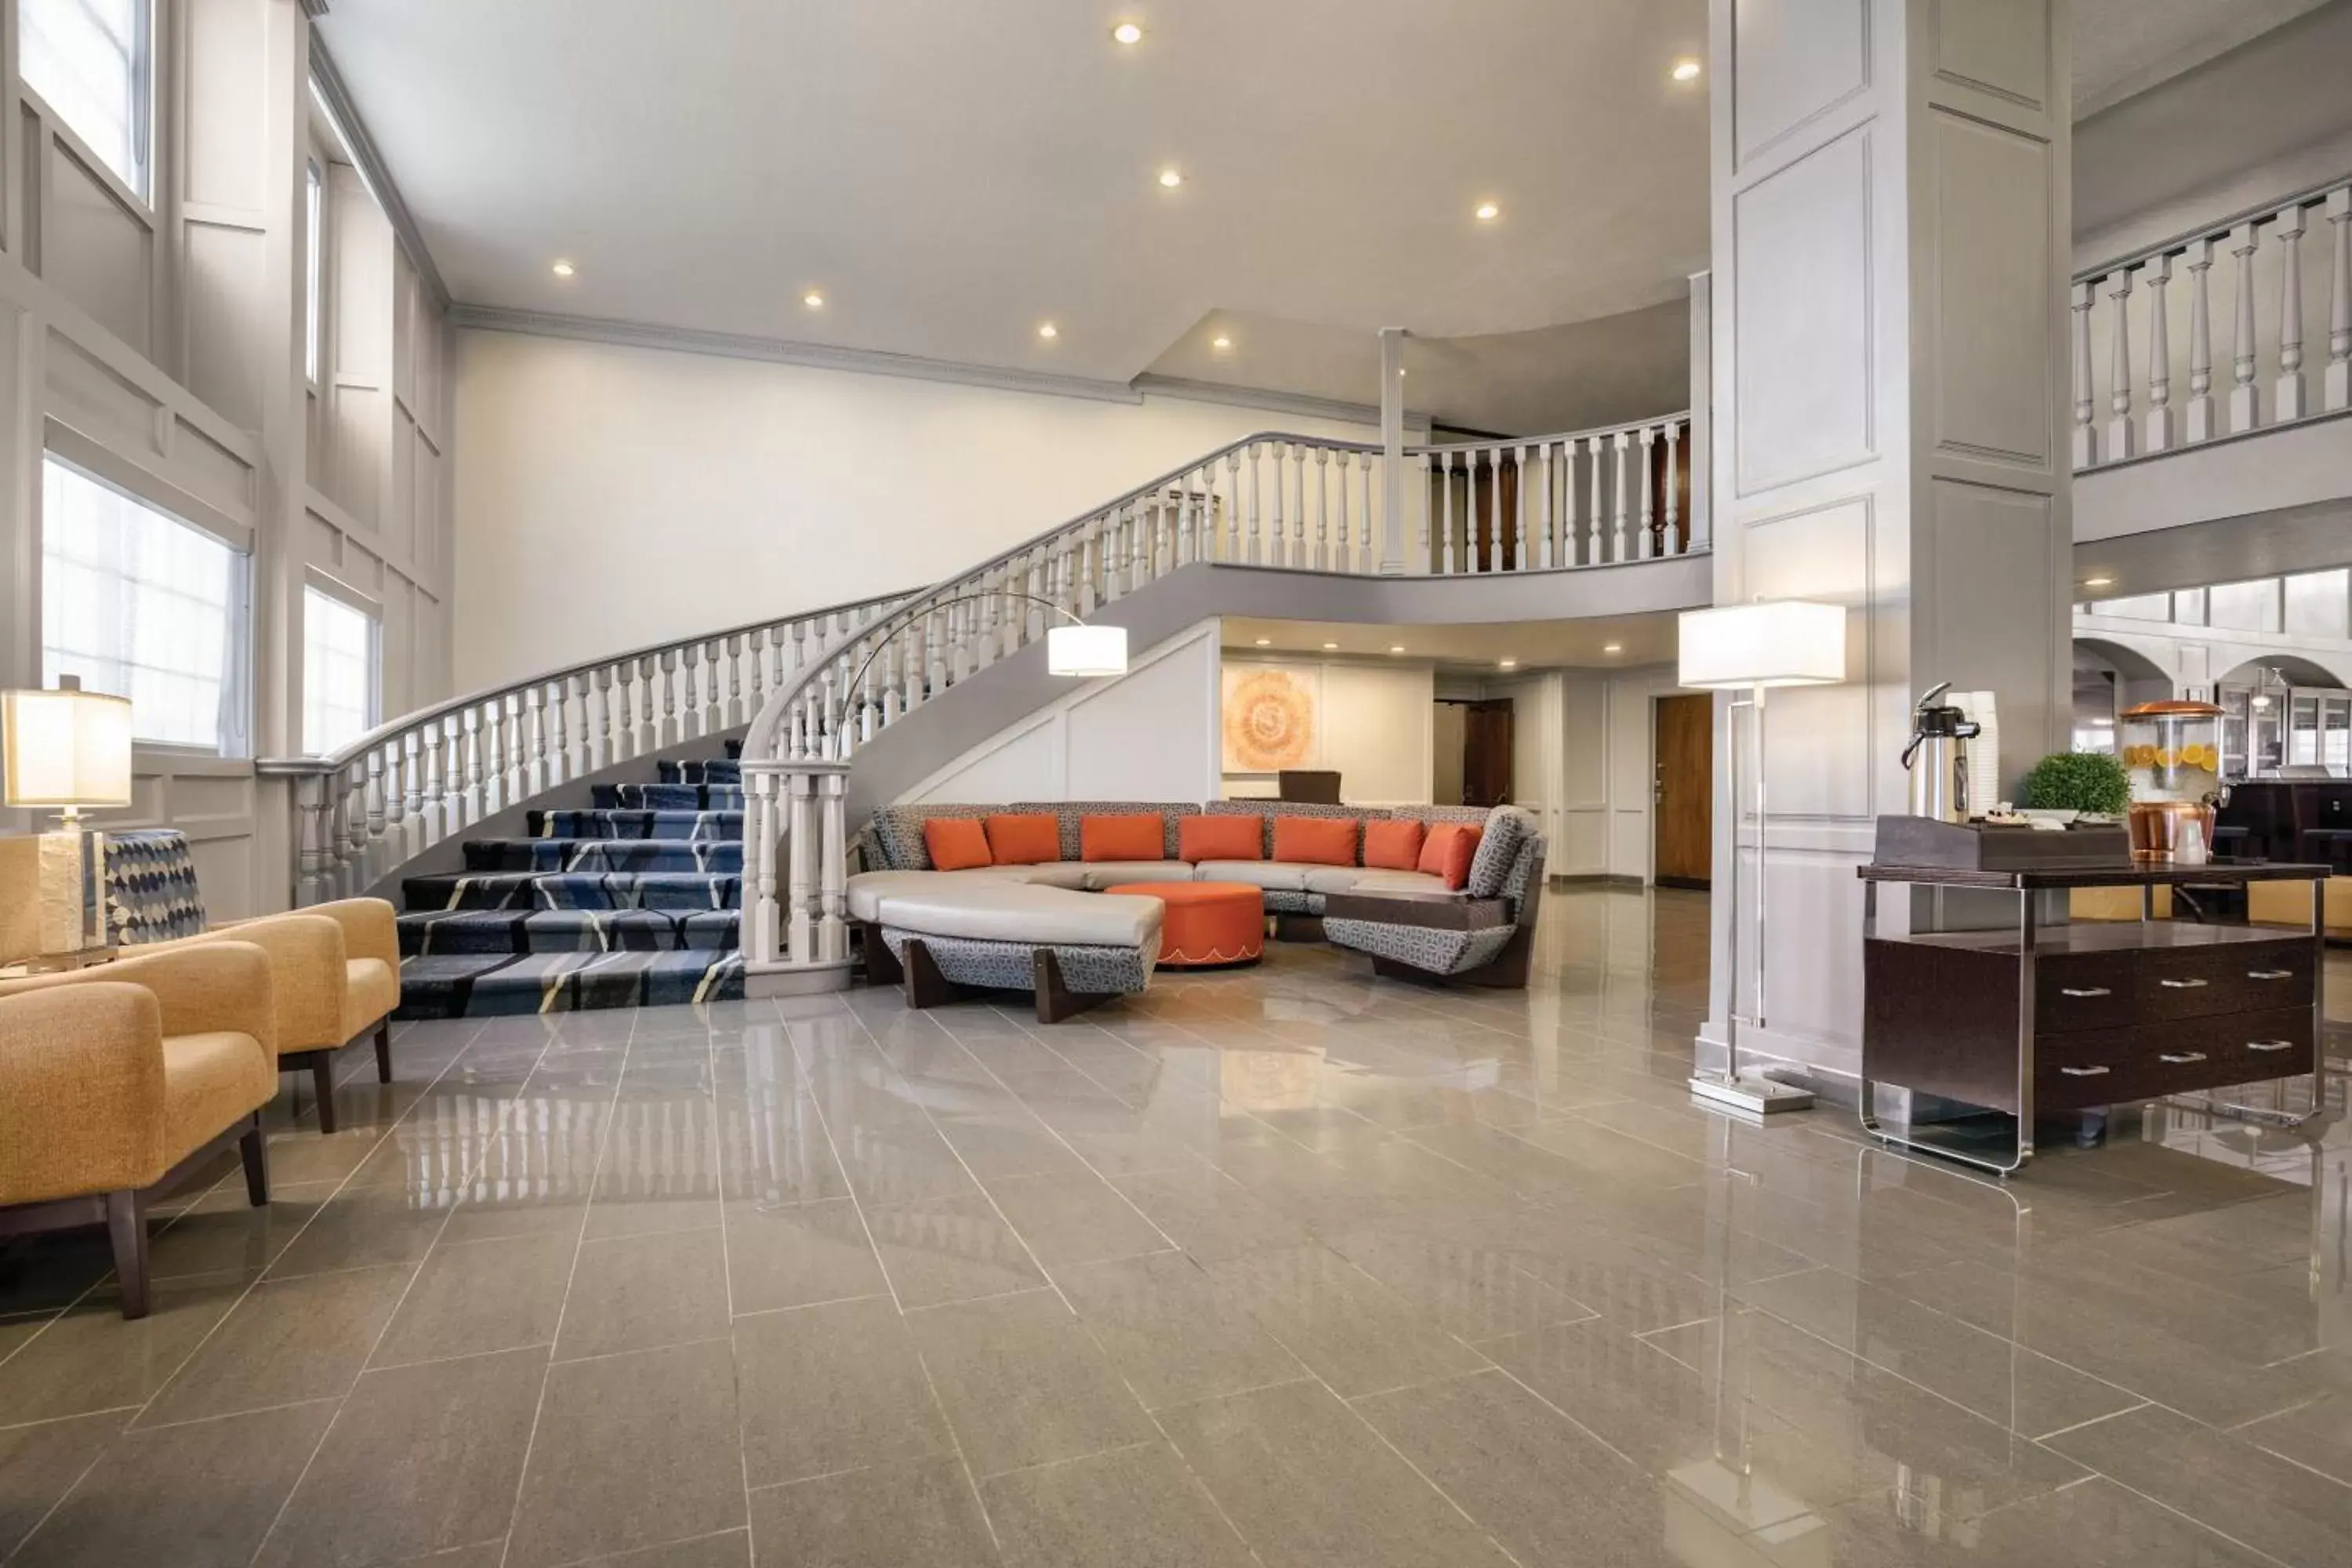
pixel 1122 838
pixel 1200 838
pixel 1448 851
pixel 1393 846
pixel 1023 840
pixel 956 843
pixel 1315 840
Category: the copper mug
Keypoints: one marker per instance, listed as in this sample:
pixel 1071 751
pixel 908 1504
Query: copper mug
pixel 2171 832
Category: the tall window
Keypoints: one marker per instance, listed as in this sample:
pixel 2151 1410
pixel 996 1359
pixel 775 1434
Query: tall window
pixel 140 605
pixel 91 62
pixel 314 266
pixel 338 672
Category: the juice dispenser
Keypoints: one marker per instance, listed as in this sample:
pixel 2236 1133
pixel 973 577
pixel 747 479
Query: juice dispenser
pixel 2173 752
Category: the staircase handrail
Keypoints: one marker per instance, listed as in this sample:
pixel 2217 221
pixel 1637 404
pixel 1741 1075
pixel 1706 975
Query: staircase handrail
pixel 1488 443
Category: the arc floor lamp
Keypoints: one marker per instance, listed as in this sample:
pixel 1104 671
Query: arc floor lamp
pixel 1780 642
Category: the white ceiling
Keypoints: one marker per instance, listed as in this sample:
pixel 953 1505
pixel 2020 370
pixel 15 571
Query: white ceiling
pixel 1531 644
pixel 951 175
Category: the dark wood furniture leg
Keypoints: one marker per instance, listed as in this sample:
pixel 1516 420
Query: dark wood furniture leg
pixel 882 966
pixel 925 985
pixel 383 1049
pixel 1289 927
pixel 126 1227
pixel 253 1149
pixel 1055 1000
pixel 323 1085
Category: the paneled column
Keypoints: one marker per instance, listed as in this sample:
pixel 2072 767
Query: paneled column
pixel 1891 225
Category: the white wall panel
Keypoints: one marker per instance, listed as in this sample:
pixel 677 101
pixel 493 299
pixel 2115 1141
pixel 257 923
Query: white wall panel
pixel 96 251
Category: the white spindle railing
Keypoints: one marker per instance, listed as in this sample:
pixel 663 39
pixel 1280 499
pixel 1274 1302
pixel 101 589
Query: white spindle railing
pixel 2266 252
pixel 1542 503
pixel 398 791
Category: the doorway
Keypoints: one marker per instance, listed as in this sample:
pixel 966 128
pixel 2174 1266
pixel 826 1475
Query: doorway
pixel 1682 795
pixel 1471 747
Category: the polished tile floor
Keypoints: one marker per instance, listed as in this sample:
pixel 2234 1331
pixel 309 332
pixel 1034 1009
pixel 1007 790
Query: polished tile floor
pixel 1285 1266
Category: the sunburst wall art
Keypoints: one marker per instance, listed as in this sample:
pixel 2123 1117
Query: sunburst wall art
pixel 1270 717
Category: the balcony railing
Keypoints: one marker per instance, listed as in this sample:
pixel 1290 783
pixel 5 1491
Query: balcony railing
pixel 2275 307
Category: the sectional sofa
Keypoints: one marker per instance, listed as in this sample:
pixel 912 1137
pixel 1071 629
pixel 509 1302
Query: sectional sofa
pixel 1045 925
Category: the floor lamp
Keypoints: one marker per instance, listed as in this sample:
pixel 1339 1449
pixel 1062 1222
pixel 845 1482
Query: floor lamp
pixel 1783 642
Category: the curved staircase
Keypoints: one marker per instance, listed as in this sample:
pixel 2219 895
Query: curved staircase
pixel 633 901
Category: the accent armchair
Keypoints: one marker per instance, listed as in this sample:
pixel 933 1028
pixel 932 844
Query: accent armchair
pixel 337 966
pixel 117 1081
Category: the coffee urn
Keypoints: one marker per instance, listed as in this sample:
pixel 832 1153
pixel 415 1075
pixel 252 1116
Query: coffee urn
pixel 1936 759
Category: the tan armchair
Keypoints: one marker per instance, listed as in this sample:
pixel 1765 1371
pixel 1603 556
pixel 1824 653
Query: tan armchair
pixel 117 1081
pixel 337 966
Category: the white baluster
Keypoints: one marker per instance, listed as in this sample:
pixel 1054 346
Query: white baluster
pixel 1651 538
pixel 1445 493
pixel 1541 469
pixel 833 927
pixel 1252 553
pixel 2336 391
pixel 798 832
pixel 2198 415
pixel 736 713
pixel 1427 558
pixel 2245 398
pixel 1492 560
pixel 1280 555
pixel 650 737
pixel 1675 542
pixel 2159 272
pixel 417 831
pixel 2121 438
pixel 759 843
pixel 2087 435
pixel 2289 229
pixel 599 744
pixel 433 802
pixel 1298 512
pixel 1367 545
pixel 559 743
pixel 1624 532
pixel 1596 520
pixel 1323 508
pixel 380 811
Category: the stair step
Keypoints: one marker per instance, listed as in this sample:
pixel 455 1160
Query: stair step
pixel 443 932
pixel 666 796
pixel 677 890
pixel 735 750
pixel 698 772
pixel 489 985
pixel 612 823
pixel 581 854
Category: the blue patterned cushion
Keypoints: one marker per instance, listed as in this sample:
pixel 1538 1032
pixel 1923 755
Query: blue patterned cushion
pixel 151 888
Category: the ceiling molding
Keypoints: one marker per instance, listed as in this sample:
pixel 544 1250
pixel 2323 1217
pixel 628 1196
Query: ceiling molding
pixel 780 351
pixel 370 164
pixel 1301 404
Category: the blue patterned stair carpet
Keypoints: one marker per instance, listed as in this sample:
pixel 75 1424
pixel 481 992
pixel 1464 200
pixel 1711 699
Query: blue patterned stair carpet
pixel 631 903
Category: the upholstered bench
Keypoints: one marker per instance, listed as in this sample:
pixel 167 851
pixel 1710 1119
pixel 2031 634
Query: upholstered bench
pixel 952 934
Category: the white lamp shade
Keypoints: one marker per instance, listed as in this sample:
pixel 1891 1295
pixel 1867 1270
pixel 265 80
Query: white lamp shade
pixel 1783 642
pixel 1087 651
pixel 65 749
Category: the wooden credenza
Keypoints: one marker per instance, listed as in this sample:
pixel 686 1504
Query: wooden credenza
pixel 2047 1019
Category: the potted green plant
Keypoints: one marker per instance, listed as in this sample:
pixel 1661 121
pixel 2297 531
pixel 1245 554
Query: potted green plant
pixel 2078 784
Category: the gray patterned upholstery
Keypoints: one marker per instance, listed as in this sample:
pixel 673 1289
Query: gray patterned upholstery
pixel 1012 965
pixel 1473 815
pixel 1508 829
pixel 1270 809
pixel 897 832
pixel 1425 948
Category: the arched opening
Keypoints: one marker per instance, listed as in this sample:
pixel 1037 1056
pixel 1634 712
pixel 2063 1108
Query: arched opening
pixel 2286 712
pixel 2109 678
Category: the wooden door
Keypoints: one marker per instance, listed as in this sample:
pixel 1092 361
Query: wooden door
pixel 1486 752
pixel 1682 808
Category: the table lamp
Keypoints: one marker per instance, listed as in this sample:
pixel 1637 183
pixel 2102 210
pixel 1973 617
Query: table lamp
pixel 66 749
pixel 1781 642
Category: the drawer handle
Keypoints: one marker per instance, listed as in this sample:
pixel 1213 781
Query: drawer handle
pixel 2182 984
pixel 2270 974
pixel 2085 991
pixel 2084 1072
pixel 2270 1045
pixel 2181 1058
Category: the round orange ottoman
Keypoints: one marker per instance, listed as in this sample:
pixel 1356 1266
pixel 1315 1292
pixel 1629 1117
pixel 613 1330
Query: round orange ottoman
pixel 1208 923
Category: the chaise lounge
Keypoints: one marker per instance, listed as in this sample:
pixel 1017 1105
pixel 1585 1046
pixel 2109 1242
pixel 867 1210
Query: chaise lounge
pixel 970 898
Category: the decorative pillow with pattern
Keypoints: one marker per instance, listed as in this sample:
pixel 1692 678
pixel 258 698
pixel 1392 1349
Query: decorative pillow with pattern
pixel 1507 827
pixel 151 888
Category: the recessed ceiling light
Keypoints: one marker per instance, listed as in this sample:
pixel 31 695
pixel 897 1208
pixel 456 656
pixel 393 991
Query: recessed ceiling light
pixel 1127 33
pixel 1506 664
pixel 1489 212
pixel 1330 647
pixel 1171 178
pixel 1220 341
pixel 1612 647
pixel 1266 642
pixel 563 269
pixel 2098 582
pixel 1400 373
pixel 1396 648
pixel 1685 70
pixel 1049 330
pixel 813 300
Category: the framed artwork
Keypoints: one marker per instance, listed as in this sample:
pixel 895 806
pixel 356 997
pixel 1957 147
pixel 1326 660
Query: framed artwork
pixel 1270 717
